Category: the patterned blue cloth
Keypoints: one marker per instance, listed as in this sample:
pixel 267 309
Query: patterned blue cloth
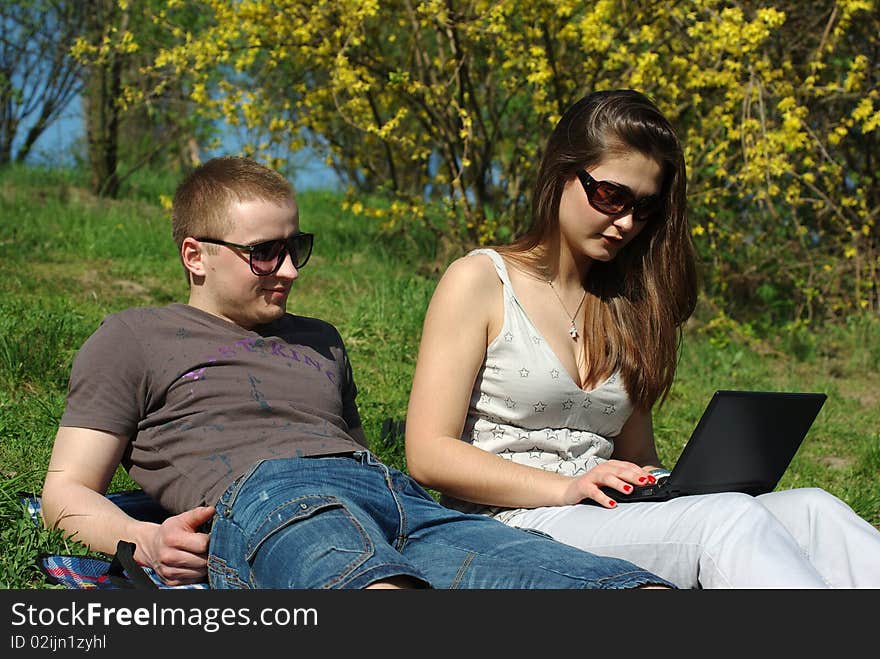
pixel 86 572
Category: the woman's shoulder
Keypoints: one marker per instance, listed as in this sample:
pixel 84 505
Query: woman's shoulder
pixel 467 299
pixel 475 272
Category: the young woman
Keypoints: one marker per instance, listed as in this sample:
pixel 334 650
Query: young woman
pixel 540 363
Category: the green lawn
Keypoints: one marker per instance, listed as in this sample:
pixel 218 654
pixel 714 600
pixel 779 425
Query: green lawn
pixel 67 260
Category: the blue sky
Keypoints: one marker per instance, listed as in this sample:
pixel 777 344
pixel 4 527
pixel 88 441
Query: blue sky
pixel 56 146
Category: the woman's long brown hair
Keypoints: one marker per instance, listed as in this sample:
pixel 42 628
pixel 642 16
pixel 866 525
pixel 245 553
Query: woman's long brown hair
pixel 637 303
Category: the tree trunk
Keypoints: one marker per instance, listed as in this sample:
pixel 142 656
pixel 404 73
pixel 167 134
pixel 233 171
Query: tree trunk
pixel 101 110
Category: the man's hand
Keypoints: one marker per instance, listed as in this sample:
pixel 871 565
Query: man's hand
pixel 177 551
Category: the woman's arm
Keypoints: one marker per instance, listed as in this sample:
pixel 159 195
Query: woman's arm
pixel 635 443
pixel 465 314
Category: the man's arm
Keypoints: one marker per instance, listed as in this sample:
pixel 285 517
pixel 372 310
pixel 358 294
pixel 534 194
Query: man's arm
pixel 358 435
pixel 82 464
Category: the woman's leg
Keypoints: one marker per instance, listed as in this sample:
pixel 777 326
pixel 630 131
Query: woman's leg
pixel 726 540
pixel 843 547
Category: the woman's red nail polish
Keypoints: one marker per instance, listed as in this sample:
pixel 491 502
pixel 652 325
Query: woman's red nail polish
pixel 651 479
pixel 642 479
pixel 627 488
pixel 612 502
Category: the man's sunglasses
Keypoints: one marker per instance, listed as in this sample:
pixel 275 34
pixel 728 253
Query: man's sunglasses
pixel 266 258
pixel 615 199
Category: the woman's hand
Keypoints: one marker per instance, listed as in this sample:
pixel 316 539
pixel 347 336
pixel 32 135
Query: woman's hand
pixel 616 474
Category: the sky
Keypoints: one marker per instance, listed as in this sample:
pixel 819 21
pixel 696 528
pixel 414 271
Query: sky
pixel 55 147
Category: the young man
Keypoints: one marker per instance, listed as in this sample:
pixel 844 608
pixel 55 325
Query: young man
pixel 232 413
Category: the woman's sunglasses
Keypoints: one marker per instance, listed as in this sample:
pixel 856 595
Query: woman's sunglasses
pixel 266 258
pixel 615 199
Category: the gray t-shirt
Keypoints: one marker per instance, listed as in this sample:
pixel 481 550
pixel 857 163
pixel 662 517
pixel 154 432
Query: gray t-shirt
pixel 201 399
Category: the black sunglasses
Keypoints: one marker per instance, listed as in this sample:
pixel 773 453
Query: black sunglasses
pixel 266 258
pixel 615 199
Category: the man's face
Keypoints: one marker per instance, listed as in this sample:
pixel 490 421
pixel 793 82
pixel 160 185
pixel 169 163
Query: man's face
pixel 230 289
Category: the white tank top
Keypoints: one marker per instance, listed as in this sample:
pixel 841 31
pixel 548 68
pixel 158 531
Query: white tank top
pixel 525 407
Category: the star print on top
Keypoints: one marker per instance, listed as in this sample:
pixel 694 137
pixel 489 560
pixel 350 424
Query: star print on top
pixel 525 407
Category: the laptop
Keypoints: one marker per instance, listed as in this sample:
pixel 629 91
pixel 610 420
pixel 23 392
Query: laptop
pixel 744 442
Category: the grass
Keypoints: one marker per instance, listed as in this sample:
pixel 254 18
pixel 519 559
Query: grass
pixel 68 259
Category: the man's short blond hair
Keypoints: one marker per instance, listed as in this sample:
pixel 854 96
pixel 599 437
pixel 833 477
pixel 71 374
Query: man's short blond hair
pixel 201 202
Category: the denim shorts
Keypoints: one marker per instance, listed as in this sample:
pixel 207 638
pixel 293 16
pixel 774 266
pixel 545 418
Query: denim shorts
pixel 348 521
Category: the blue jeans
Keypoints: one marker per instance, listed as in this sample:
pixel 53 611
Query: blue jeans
pixel 348 521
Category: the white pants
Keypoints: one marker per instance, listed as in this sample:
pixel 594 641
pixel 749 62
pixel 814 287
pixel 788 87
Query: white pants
pixel 802 538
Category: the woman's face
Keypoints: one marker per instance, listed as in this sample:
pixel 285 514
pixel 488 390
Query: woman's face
pixel 589 232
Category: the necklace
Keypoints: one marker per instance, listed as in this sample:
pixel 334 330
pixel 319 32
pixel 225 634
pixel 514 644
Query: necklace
pixel 572 329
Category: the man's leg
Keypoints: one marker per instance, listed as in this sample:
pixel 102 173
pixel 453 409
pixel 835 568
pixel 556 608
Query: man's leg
pixel 353 522
pixel 456 550
pixel 308 523
pixel 396 583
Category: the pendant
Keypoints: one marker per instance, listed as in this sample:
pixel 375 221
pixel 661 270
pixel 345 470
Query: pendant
pixel 573 331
